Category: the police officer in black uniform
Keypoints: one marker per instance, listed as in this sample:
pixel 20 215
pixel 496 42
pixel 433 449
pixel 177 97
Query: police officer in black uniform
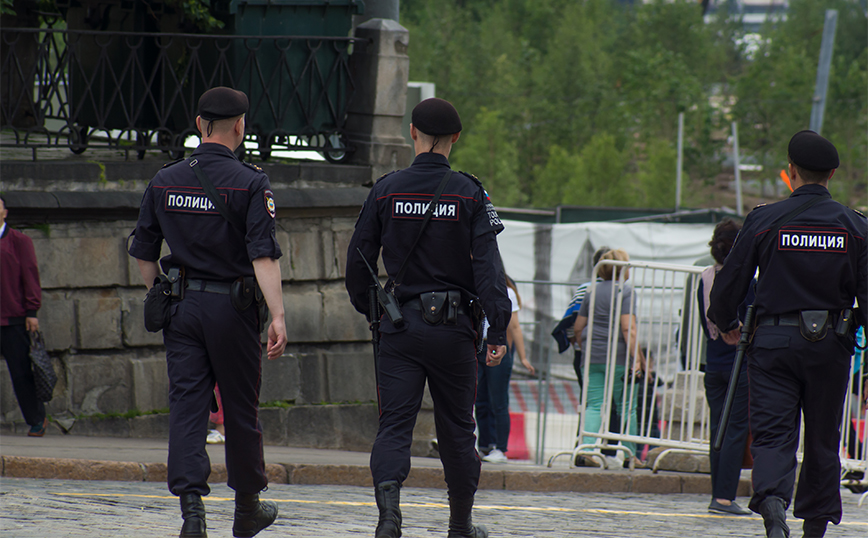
pixel 457 253
pixel 812 264
pixel 212 337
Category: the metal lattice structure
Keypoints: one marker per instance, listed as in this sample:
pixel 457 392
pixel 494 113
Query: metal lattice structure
pixel 139 91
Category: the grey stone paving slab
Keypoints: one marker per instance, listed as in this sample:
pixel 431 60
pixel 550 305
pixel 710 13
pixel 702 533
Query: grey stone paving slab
pixel 52 508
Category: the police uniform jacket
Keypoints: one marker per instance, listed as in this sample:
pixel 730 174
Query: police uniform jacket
pixel 176 208
pixel 817 261
pixel 464 223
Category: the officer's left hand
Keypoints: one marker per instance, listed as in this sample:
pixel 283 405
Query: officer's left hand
pixel 276 338
pixel 32 324
pixel 495 355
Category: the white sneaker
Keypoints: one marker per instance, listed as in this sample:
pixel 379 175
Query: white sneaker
pixel 495 456
pixel 615 462
pixel 215 438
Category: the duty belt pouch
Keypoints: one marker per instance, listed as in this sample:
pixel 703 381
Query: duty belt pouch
pixel 176 282
pixel 453 301
pixel 434 307
pixel 242 293
pixel 158 303
pixel 813 324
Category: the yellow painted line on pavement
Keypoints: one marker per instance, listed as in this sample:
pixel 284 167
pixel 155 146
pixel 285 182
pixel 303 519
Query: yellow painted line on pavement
pixel 443 505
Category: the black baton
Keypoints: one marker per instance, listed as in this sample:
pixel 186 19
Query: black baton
pixel 374 311
pixel 743 344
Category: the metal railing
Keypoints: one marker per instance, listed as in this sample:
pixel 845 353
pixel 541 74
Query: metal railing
pixel 672 412
pixel 135 92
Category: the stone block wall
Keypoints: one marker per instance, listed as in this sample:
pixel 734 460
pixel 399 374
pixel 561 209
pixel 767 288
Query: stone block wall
pixel 108 364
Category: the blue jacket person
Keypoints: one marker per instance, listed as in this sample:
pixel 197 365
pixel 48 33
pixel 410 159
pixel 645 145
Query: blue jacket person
pixel 813 263
pixel 213 336
pixel 456 257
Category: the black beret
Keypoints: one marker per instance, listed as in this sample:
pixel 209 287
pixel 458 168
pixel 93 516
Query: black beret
pixel 221 102
pixel 812 152
pixel 436 117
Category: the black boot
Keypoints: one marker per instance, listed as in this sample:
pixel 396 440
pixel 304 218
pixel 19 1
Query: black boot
pixel 252 515
pixel 774 512
pixel 388 495
pixel 193 512
pixel 814 528
pixel 461 522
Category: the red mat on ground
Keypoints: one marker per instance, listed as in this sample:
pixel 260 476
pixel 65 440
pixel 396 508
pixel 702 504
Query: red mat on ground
pixel 517 441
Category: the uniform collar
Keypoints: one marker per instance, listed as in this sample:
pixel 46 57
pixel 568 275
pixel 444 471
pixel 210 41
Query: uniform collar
pixel 811 188
pixel 210 148
pixel 431 158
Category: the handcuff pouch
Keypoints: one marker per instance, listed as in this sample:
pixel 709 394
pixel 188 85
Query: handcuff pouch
pixel 433 307
pixel 813 324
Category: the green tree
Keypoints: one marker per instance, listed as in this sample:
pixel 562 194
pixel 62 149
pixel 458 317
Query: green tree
pixel 492 157
pixel 656 175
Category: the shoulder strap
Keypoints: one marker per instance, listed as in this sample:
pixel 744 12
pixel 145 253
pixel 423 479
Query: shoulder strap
pixel 776 225
pixel 215 198
pixel 428 213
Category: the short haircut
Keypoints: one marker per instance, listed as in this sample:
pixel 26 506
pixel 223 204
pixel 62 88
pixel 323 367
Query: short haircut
pixel 810 176
pixel 611 272
pixel 722 239
pixel 221 126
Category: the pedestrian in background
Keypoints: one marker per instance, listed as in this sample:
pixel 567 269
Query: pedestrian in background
pixel 20 299
pixel 813 261
pixel 607 293
pixel 725 464
pixel 457 259
pixel 492 392
pixel 220 264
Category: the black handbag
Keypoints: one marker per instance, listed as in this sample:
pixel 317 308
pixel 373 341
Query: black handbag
pixel 43 369
pixel 158 303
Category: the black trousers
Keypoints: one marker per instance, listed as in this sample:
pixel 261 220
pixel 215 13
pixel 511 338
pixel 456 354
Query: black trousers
pixel 15 348
pixel 790 376
pixel 726 464
pixel 444 355
pixel 208 341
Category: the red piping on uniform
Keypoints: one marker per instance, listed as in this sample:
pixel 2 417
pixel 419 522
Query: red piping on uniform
pixel 424 195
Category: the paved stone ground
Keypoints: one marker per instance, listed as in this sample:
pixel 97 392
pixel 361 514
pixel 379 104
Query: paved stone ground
pixel 55 508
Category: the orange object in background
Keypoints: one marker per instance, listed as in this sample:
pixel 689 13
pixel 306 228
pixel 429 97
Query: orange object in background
pixel 786 179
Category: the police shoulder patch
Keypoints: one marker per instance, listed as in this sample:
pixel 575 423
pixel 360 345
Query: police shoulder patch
pixel 173 162
pixel 269 203
pixel 251 165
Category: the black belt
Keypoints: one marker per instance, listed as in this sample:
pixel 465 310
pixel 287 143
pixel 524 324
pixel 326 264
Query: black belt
pixel 416 304
pixel 788 320
pixel 211 286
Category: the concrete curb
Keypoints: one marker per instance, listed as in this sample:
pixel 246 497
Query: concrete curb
pixel 582 481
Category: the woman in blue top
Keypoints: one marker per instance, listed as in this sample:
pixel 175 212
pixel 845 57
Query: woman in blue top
pixel 720 354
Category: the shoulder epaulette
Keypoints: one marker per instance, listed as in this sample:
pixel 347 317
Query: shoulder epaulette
pixel 859 213
pixel 383 176
pixel 760 205
pixel 472 177
pixel 251 165
pixel 173 163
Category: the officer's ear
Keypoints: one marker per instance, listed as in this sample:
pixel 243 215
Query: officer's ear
pixel 455 137
pixel 239 126
pixel 414 133
pixel 199 124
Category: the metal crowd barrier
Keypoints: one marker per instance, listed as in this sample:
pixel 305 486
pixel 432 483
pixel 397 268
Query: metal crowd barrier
pixel 672 410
